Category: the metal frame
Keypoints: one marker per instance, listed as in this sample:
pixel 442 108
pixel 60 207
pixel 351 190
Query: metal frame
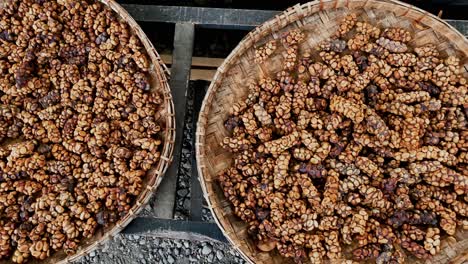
pixel 201 16
pixel 180 77
pixel 185 19
pixel 176 229
pixel 236 18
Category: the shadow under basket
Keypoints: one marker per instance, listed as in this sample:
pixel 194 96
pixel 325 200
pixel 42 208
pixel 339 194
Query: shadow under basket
pixel 318 20
pixel 158 75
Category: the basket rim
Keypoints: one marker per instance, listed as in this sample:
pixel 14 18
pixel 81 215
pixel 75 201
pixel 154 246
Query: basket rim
pixel 284 19
pixel 162 79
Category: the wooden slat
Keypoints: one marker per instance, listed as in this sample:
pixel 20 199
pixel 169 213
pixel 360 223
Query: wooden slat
pixel 196 61
pixel 201 74
pixel 206 75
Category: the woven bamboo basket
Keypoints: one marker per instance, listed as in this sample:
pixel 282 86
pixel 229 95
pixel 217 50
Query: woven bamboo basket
pixel 318 20
pixel 159 75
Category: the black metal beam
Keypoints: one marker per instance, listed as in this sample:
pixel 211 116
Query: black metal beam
pixel 180 76
pixel 448 2
pixel 168 228
pixel 196 194
pixel 222 17
pixel 200 15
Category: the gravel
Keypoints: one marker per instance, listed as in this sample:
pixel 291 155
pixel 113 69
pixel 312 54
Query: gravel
pixel 129 249
pixel 183 180
pixel 219 255
pixel 207 249
pixel 182 209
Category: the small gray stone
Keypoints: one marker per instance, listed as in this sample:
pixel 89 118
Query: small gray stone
pixel 219 255
pixel 178 215
pixel 186 244
pixel 155 242
pixel 186 166
pixel 207 249
pixel 210 258
pixel 176 252
pixel 187 252
pixel 92 254
pixel 187 204
pixel 142 242
pixel 182 192
pixel 170 259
